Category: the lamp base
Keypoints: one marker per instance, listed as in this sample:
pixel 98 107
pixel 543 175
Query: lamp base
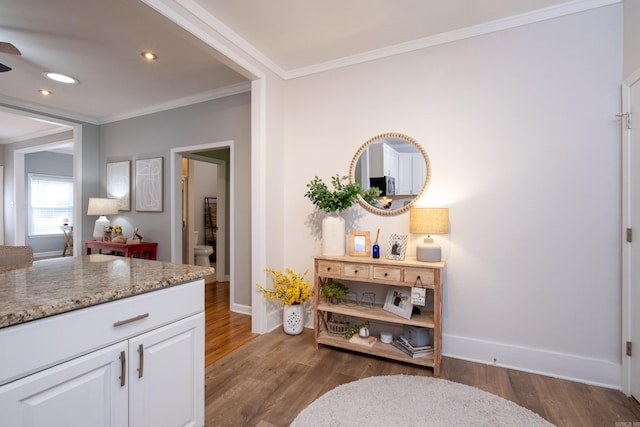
pixel 428 251
pixel 98 229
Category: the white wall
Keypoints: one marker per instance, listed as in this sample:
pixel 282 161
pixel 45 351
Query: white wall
pixel 524 146
pixel 631 36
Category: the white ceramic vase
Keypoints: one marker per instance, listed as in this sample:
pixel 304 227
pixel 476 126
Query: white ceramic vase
pixel 333 235
pixel 293 319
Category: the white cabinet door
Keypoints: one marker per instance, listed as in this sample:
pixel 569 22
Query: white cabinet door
pixel 405 174
pixel 87 391
pixel 166 373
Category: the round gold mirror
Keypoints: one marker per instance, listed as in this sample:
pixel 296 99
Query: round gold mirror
pixel 398 166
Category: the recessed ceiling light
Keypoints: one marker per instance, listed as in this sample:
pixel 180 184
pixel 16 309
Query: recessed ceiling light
pixel 149 56
pixel 60 78
pixel 45 92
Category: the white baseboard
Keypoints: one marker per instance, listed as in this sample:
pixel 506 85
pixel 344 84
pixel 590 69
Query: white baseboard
pixel 572 367
pixel 241 309
pixel 47 254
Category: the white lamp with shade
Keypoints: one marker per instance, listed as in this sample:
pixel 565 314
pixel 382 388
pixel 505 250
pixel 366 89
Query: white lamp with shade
pixel 429 221
pixel 102 207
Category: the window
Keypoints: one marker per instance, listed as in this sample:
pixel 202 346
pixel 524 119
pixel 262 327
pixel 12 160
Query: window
pixel 50 201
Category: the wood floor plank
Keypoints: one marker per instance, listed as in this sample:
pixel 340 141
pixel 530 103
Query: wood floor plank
pixel 267 380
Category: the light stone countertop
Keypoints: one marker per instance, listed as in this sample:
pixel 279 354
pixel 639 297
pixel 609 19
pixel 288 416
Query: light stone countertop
pixel 59 285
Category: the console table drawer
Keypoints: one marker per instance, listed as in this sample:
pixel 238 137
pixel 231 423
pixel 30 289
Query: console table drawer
pixel 356 270
pixel 330 268
pixel 386 273
pixel 427 277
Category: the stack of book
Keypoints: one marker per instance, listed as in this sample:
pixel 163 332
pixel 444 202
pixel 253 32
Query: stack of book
pixel 403 344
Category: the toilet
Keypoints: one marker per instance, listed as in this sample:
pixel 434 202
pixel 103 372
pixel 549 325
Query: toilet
pixel 201 252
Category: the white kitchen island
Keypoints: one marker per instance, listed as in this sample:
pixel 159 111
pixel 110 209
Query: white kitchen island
pixel 101 340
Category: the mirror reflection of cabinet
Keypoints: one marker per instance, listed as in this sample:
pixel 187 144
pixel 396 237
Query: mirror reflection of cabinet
pixel 391 158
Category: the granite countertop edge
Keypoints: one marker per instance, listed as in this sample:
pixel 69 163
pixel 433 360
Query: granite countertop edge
pixel 35 312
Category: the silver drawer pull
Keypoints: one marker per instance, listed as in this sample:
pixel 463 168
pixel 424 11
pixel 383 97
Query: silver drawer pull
pixel 133 319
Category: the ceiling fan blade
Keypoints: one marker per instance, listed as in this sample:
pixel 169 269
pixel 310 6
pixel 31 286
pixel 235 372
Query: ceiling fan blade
pixel 9 48
pixel 4 68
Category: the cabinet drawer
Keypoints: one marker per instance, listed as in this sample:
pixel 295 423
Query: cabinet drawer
pixel 356 270
pixel 385 273
pixel 427 276
pixel 329 268
pixel 45 342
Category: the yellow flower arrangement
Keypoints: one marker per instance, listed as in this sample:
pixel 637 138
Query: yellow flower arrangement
pixel 289 287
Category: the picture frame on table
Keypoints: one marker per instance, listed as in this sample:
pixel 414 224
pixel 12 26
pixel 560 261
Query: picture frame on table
pixel 398 301
pixel 397 247
pixel 149 185
pixel 359 243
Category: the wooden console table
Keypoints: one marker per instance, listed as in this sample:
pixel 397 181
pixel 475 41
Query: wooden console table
pixel 143 248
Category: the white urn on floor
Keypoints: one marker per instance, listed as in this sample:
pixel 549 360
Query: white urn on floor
pixel 293 319
pixel 333 235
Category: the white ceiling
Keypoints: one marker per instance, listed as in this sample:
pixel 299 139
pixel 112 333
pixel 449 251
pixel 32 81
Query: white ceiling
pixel 99 43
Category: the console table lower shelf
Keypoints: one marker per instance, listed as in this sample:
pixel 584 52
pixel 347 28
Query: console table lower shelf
pixel 378 349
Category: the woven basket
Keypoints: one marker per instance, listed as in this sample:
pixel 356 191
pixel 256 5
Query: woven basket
pixel 337 326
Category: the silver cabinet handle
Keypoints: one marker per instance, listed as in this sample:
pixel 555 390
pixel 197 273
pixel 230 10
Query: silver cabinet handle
pixel 123 368
pixel 141 368
pixel 133 319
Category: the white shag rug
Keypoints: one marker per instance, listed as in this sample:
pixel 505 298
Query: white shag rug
pixel 406 400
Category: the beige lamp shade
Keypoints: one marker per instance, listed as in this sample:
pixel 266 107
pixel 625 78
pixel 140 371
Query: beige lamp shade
pixel 429 220
pixel 101 208
pixel 98 206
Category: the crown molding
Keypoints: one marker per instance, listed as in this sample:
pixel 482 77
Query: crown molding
pixel 568 8
pixel 182 102
pixel 53 112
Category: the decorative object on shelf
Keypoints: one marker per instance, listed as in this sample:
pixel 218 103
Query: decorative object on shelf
pixel 364 332
pixel 376 247
pixel 119 183
pixel 292 290
pixel 429 221
pixel 386 337
pixel 101 207
pixel 117 236
pixel 333 202
pixel 355 328
pixel 135 238
pixel 333 290
pixel 418 293
pixel 149 184
pixel 359 243
pixel 337 325
pixel 398 302
pixel 397 247
pixel 350 299
pixel 368 299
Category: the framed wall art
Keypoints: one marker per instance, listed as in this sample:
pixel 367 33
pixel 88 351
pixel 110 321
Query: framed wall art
pixel 359 243
pixel 398 301
pixel 119 183
pixel 149 185
pixel 397 247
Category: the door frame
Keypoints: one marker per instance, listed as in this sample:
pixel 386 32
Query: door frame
pixel 634 78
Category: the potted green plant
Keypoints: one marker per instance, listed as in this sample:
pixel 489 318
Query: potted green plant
pixel 332 290
pixel 332 202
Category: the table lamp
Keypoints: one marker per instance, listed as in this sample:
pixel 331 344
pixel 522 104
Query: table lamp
pixel 429 221
pixel 101 207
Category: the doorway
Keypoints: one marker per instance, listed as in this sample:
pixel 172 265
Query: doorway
pixel 183 214
pixel 15 214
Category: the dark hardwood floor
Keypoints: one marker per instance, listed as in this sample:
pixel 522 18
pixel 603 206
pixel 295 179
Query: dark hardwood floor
pixel 274 376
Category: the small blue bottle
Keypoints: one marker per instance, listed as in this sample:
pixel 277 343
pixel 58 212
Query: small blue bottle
pixel 376 250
